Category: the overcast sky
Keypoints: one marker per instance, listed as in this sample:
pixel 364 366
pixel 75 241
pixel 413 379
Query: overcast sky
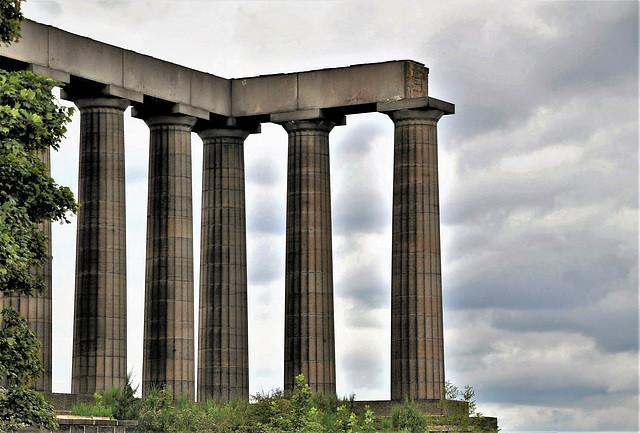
pixel 538 185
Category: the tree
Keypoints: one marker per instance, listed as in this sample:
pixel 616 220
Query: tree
pixel 31 123
pixel 11 13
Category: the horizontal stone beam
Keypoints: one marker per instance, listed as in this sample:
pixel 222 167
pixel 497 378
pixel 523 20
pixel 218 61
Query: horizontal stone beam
pixel 124 73
pixel 84 63
pixel 353 89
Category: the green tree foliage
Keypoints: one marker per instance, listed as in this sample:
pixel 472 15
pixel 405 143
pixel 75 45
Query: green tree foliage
pixel 19 363
pixel 10 19
pixel 31 123
pixel 469 419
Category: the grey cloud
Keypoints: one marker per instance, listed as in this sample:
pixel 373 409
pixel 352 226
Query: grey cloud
pixel 50 7
pixel 613 331
pixel 362 367
pixel 544 392
pixel 360 210
pixel 604 55
pixel 263 174
pixel 358 202
pixel 267 216
pixel 543 274
pixel 356 143
pixel 365 287
pixel 498 79
pixel 265 262
pixel 359 317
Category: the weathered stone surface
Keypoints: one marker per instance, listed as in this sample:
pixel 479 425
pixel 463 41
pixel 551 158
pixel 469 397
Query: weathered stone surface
pixel 353 89
pixel 100 317
pixel 168 353
pixel 72 424
pixel 223 344
pixel 309 346
pixel 66 56
pixel 417 352
pixel 361 84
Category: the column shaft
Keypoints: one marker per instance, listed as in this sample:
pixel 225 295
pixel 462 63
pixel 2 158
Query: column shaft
pixel 168 357
pixel 309 325
pixel 100 317
pixel 37 309
pixel 223 345
pixel 417 352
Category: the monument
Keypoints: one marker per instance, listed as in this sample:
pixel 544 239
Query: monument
pixel 103 80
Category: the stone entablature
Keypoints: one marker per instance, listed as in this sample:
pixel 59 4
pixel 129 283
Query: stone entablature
pixel 113 71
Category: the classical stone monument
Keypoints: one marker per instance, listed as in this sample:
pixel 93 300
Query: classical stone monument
pixel 103 80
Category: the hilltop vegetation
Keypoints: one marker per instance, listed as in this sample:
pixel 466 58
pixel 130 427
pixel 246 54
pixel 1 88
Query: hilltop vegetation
pixel 277 412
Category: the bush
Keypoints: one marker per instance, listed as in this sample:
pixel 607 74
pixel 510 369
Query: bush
pixel 155 411
pixel 408 418
pixel 117 403
pixel 302 412
pixel 92 410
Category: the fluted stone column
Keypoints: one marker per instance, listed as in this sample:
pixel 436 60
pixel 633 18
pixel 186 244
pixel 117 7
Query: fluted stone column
pixel 417 352
pixel 100 317
pixel 37 309
pixel 223 353
pixel 309 326
pixel 168 353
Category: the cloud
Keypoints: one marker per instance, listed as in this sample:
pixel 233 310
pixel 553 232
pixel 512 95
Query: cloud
pixel 362 366
pixel 365 286
pixel 266 212
pixel 551 369
pixel 360 204
pixel 509 61
pixel 362 210
pixel 265 261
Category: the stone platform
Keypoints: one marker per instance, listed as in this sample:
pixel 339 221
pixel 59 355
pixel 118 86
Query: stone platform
pixel 77 424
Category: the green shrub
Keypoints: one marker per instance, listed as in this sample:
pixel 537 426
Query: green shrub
pixel 408 417
pixel 301 412
pixel 155 411
pixel 122 401
pixel 92 410
pixel 117 403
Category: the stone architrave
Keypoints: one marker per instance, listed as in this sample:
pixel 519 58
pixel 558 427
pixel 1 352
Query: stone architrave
pixel 37 308
pixel 100 317
pixel 168 352
pixel 417 352
pixel 223 344
pixel 309 346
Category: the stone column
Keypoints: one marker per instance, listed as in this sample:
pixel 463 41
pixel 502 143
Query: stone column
pixel 309 331
pixel 168 353
pixel 100 317
pixel 223 346
pixel 37 309
pixel 417 352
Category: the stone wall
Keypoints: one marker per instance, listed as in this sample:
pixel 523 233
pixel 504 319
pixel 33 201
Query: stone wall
pixel 69 424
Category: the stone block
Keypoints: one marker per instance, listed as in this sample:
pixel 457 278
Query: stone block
pixel 85 57
pixel 211 93
pixel 355 85
pixel 157 78
pixel 264 95
pixel 33 45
